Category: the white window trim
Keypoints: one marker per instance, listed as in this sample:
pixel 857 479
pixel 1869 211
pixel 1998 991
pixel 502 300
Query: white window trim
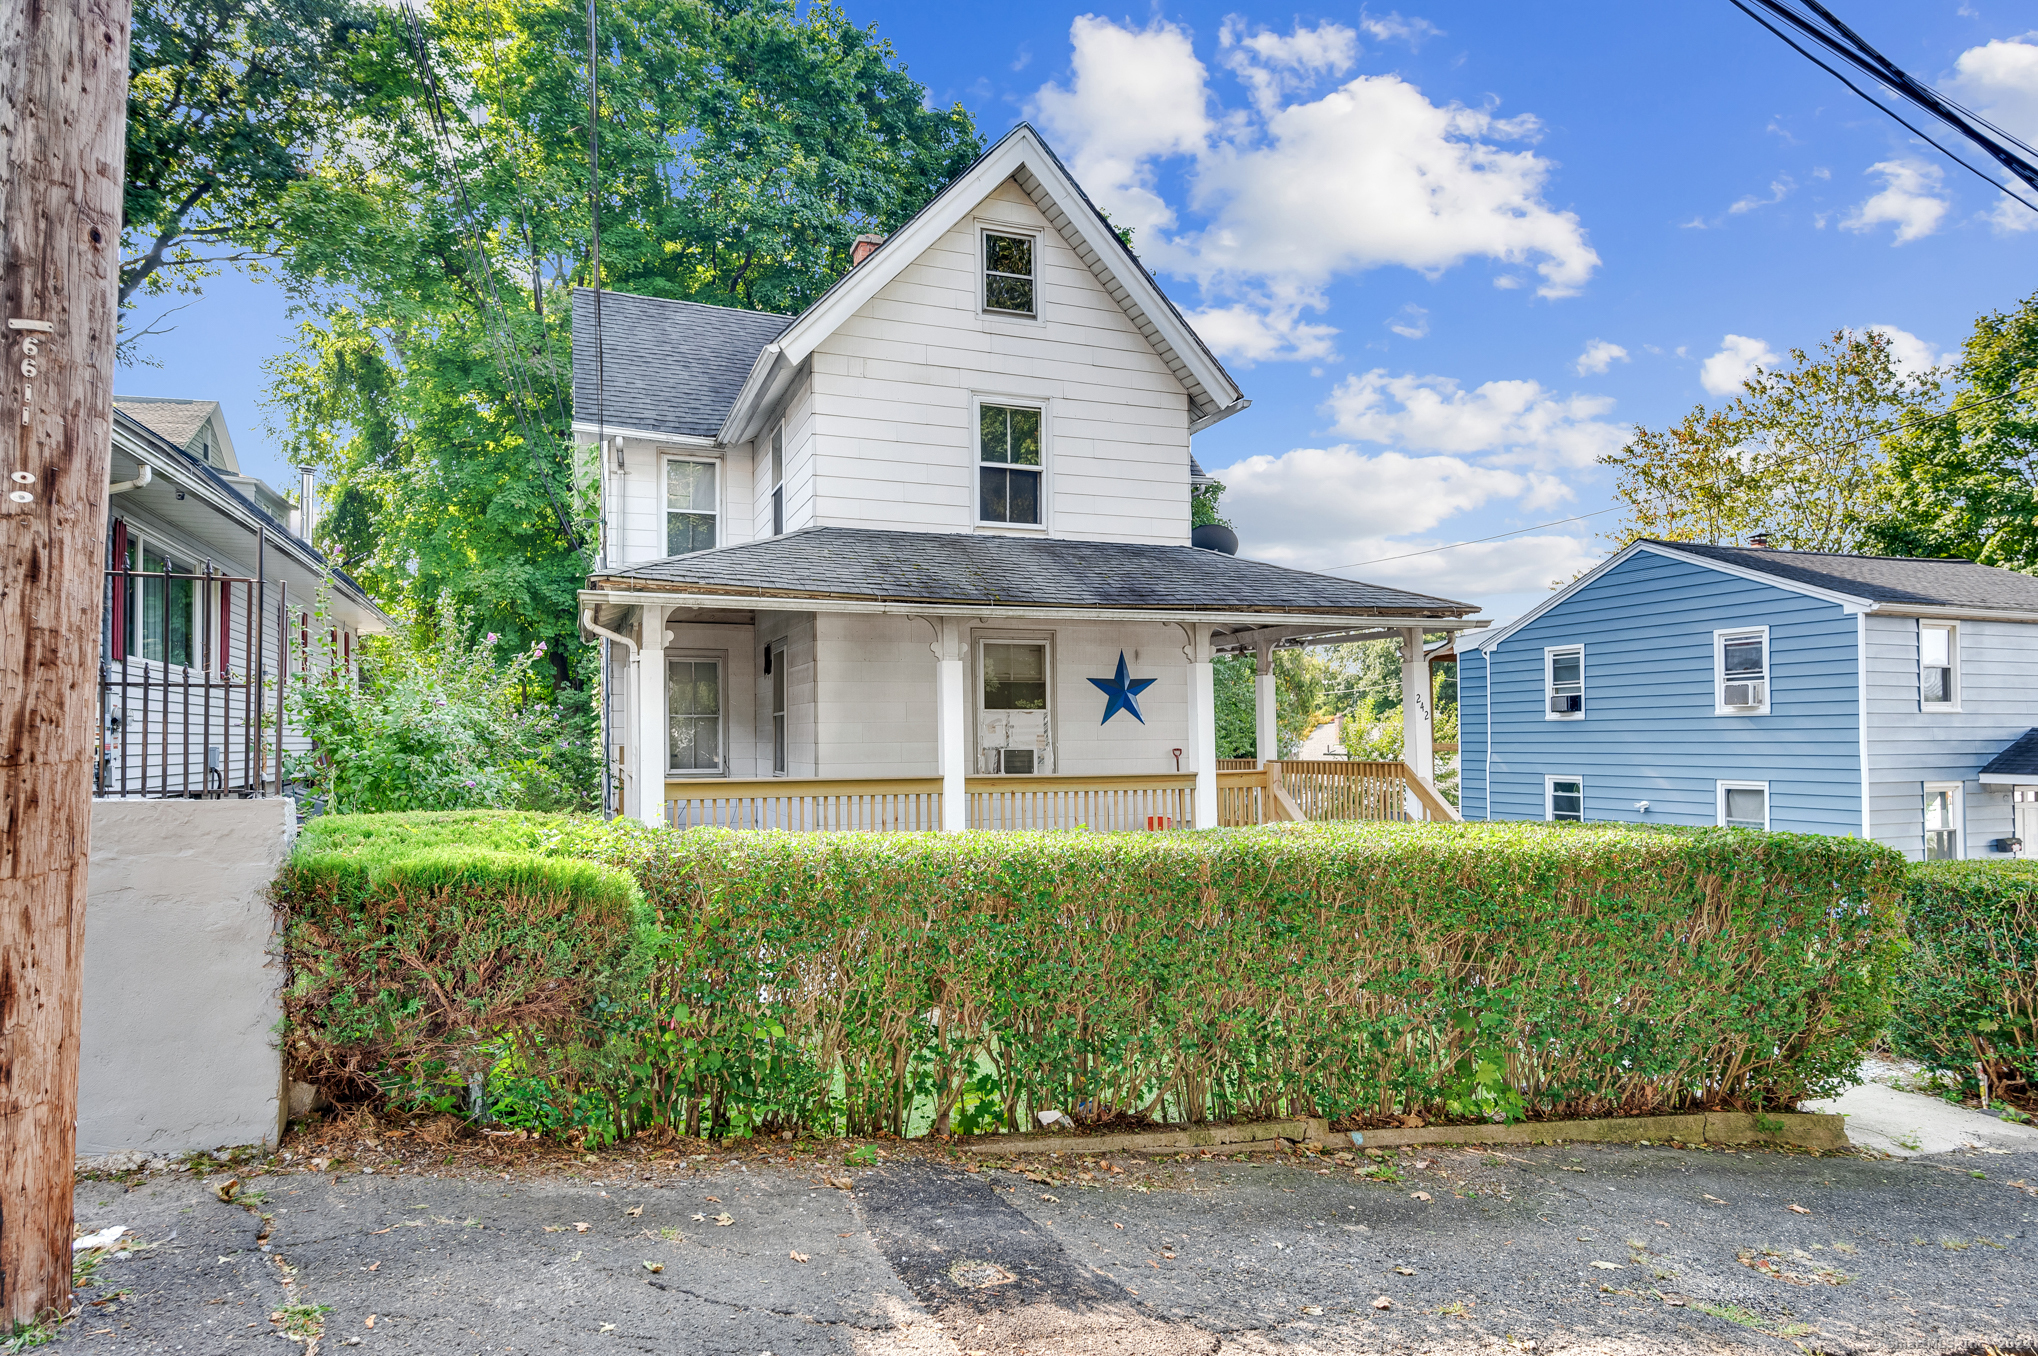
pixel 1033 233
pixel 980 639
pixel 721 659
pixel 1720 790
pixel 774 492
pixel 1719 671
pixel 776 651
pixel 665 465
pixel 1550 797
pixel 1959 790
pixel 142 539
pixel 1550 653
pixel 1952 630
pixel 979 399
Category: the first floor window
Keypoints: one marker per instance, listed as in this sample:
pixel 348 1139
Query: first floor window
pixel 690 507
pixel 162 605
pixel 1008 470
pixel 774 665
pixel 1942 823
pixel 693 711
pixel 1564 798
pixel 1013 734
pixel 1744 805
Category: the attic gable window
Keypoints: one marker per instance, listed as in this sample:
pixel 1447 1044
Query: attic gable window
pixel 1008 273
pixel 1008 470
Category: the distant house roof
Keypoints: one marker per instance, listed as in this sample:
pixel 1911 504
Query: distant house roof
pixel 667 366
pixel 871 565
pixel 195 426
pixel 1923 581
pixel 2017 763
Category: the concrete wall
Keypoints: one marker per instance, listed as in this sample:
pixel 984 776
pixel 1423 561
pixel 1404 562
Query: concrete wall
pixel 182 991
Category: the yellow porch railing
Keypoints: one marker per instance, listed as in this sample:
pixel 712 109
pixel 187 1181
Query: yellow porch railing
pixel 805 804
pixel 1111 804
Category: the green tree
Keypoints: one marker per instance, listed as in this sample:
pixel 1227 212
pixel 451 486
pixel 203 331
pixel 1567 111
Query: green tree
pixel 1794 455
pixel 1964 482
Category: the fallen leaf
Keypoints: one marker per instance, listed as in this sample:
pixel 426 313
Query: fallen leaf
pixel 635 1210
pixel 579 1228
pixel 373 1265
pixel 1607 1266
pixel 717 1200
pixel 1714 1199
pixel 1404 1271
pixel 1312 1308
pixel 1568 1168
pixel 555 1228
pixel 368 1322
pixel 1117 1226
pixel 1797 1210
pixel 1056 1200
pixel 700 1219
pixel 607 1327
pixel 654 1267
pixel 1383 1303
pixel 1170 1256
pixel 1418 1195
pixel 725 1220
pixel 1660 1224
pixel 1422 1162
pixel 797 1256
pixel 840 1183
pixel 226 1190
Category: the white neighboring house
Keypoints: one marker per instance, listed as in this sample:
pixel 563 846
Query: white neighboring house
pixel 920 556
pixel 195 549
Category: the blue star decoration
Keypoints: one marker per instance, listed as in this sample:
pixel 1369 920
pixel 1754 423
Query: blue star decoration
pixel 1123 690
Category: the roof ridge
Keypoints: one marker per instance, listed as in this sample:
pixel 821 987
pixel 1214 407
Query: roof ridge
pixel 1838 555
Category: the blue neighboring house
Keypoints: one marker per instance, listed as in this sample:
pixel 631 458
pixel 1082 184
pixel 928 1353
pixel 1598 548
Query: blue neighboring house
pixel 1681 683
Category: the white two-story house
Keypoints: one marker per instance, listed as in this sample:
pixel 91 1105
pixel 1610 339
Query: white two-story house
pixel 920 556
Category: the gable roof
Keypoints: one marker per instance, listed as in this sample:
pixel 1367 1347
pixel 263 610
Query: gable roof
pixel 877 565
pixel 680 356
pixel 181 422
pixel 1896 585
pixel 666 366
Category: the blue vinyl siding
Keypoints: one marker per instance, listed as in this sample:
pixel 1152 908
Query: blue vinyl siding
pixel 1472 734
pixel 1649 731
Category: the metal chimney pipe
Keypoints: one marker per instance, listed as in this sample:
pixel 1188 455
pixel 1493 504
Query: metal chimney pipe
pixel 307 501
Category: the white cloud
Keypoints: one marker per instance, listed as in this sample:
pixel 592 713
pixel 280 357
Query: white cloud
pixel 1779 189
pixel 1247 334
pixel 1484 570
pixel 2011 217
pixel 1410 322
pixel 1394 28
pixel 1906 201
pixel 1300 188
pixel 1739 356
pixel 1912 355
pixel 1598 356
pixel 1999 80
pixel 1515 422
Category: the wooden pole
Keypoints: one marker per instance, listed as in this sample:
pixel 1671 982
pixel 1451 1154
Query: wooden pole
pixel 63 95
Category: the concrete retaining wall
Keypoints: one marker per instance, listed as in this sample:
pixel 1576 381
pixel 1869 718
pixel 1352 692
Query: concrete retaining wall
pixel 181 984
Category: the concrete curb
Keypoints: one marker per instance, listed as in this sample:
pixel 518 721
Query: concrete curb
pixel 1807 1131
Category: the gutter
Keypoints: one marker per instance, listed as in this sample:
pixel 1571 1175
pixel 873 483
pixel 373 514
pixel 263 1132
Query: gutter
pixel 1218 416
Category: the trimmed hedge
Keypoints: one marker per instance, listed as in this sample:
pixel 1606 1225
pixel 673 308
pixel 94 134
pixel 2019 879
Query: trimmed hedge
pixel 1971 989
pixel 893 983
pixel 424 949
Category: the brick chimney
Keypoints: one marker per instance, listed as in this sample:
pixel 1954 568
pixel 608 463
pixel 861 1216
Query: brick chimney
pixel 865 246
pixel 1760 541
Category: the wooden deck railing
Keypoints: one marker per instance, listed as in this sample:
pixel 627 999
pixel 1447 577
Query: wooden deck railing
pixel 1311 789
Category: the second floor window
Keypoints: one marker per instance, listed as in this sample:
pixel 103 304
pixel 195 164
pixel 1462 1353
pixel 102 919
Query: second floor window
pixel 1565 680
pixel 1008 470
pixel 1008 273
pixel 690 507
pixel 777 473
pixel 1742 676
pixel 1938 654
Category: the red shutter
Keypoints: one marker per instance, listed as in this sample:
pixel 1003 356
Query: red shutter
pixel 118 633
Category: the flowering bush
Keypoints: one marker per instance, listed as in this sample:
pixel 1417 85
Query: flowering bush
pixel 427 721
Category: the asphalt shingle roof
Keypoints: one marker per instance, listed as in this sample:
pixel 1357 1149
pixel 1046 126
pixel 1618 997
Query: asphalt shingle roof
pixel 176 420
pixel 1942 582
pixel 667 366
pixel 2018 760
pixel 956 567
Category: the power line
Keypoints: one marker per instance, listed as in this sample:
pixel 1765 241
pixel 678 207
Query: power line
pixel 1432 550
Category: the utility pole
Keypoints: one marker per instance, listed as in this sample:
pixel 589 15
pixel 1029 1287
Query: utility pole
pixel 63 98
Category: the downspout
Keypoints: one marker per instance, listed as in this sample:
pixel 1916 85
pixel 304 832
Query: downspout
pixel 587 620
pixel 1861 708
pixel 602 701
pixel 142 477
pixel 1488 654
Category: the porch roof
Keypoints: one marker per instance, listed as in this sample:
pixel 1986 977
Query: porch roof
pixel 958 569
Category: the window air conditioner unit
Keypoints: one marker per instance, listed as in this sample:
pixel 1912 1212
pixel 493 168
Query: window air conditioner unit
pixel 1743 694
pixel 1567 706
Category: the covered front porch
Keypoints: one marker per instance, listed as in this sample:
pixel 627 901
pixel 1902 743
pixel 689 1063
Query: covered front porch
pixel 785 692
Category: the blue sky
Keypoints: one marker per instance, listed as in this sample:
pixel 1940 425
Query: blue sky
pixel 1451 252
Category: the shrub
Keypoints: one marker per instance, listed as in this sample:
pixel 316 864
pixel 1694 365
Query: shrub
pixel 425 949
pixel 1971 989
pixel 895 983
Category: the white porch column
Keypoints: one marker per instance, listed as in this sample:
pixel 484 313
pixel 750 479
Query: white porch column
pixel 649 747
pixel 1418 749
pixel 951 714
pixel 1266 729
pixel 1202 723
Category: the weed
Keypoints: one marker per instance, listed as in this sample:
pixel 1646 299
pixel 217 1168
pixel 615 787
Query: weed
pixel 301 1320
pixel 1732 1313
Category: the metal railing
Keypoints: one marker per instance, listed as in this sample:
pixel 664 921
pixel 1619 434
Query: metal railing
pixel 183 671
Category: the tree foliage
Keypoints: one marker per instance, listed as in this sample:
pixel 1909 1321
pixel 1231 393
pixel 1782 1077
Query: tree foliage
pixel 1965 483
pixel 1794 455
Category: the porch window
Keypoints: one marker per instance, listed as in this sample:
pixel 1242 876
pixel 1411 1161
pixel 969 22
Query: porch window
pixel 1014 717
pixel 691 507
pixel 1008 452
pixel 774 665
pixel 778 479
pixel 1008 273
pixel 162 613
pixel 1938 664
pixel 1564 799
pixel 1942 822
pixel 1744 805
pixel 693 710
